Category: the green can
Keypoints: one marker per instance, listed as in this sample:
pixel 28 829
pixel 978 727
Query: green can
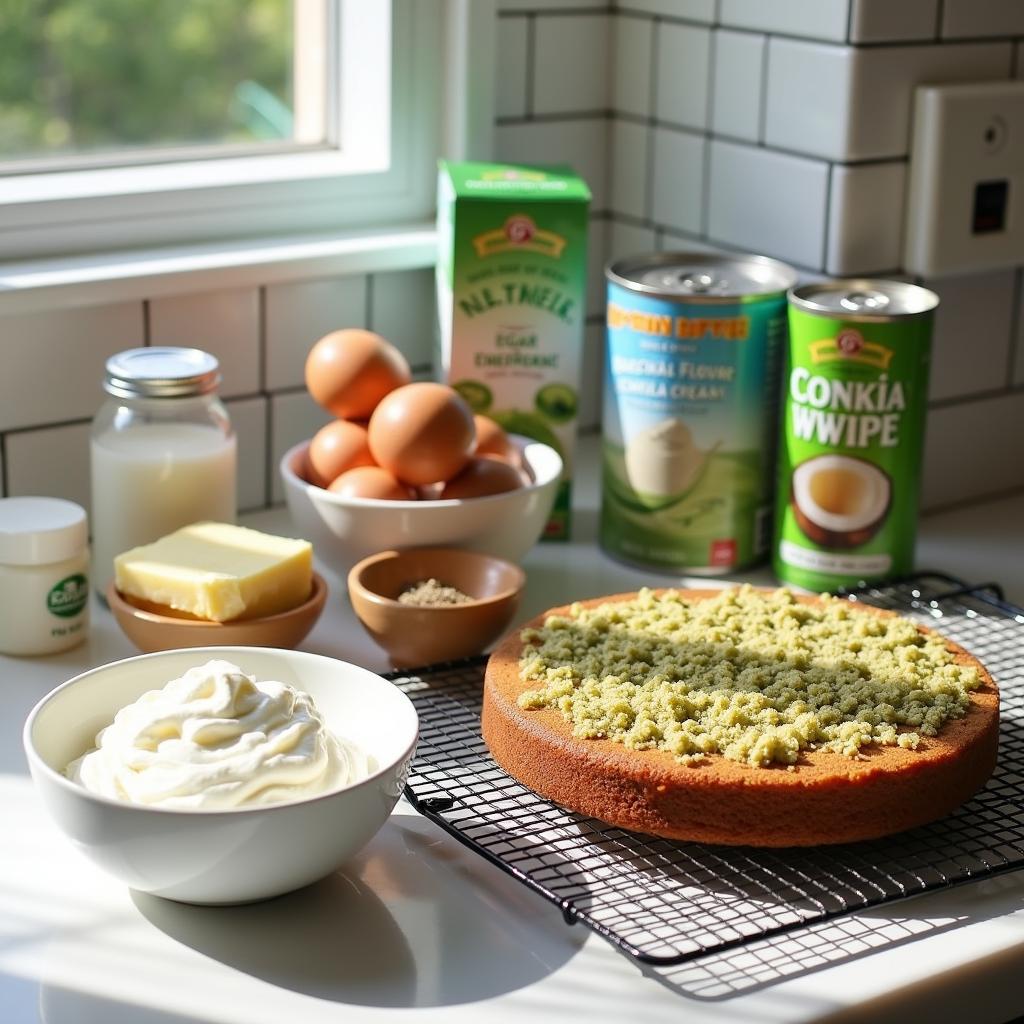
pixel 852 432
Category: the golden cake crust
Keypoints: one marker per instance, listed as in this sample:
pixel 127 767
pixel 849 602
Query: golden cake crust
pixel 826 798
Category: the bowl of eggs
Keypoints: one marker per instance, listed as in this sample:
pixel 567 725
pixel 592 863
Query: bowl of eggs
pixel 408 464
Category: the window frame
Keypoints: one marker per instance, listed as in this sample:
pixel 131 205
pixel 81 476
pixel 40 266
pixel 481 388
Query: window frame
pixel 384 174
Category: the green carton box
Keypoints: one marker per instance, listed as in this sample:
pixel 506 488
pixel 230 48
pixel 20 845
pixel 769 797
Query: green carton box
pixel 511 296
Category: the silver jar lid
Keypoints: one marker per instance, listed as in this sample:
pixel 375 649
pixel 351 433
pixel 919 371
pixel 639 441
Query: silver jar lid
pixel 161 372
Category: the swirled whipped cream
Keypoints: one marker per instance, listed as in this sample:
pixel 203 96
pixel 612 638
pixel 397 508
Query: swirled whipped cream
pixel 216 739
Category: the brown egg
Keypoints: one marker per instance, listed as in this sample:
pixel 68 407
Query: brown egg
pixel 338 447
pixel 484 475
pixel 371 482
pixel 492 440
pixel 348 372
pixel 422 433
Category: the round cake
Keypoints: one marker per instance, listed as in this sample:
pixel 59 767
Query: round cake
pixel 816 794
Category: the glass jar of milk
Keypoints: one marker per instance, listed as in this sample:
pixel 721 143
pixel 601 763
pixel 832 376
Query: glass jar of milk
pixel 163 452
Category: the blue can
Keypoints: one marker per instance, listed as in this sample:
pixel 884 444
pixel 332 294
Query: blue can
pixel 691 398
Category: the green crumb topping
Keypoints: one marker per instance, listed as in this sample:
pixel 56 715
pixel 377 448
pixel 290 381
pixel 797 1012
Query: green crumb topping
pixel 756 677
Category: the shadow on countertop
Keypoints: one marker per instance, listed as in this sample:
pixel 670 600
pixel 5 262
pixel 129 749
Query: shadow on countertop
pixel 402 926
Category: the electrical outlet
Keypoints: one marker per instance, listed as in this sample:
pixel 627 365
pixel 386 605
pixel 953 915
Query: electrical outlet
pixel 965 191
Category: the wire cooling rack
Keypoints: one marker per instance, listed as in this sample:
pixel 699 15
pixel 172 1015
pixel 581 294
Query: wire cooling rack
pixel 665 902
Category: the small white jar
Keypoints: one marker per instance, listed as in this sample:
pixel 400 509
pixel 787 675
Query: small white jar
pixel 44 575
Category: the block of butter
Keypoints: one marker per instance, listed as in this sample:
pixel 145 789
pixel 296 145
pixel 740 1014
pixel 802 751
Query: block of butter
pixel 218 571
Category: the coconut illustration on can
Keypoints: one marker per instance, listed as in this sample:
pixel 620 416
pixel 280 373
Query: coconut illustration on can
pixel 840 501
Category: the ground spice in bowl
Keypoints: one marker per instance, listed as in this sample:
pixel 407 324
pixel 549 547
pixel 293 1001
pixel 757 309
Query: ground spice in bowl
pixel 431 593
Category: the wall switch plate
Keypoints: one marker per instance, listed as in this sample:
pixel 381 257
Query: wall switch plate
pixel 965 189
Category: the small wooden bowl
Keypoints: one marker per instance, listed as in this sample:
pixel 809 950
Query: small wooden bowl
pixel 418 635
pixel 152 630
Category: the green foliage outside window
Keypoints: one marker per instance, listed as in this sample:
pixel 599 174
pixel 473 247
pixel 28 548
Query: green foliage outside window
pixel 93 75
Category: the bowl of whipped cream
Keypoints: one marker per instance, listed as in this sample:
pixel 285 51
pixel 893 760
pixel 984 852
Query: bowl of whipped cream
pixel 221 775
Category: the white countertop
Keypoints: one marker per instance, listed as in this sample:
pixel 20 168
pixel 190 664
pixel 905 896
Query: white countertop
pixel 420 927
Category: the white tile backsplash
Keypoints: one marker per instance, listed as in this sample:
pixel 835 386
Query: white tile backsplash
pixel 403 309
pixel 885 21
pixel 571 64
pixel 582 144
pixel 53 361
pixel 629 155
pixel 629 240
pixel 294 417
pixel 736 93
pixel 973 449
pixel 977 18
pixel 249 418
pixel 808 95
pixel 971 340
pixel 865 218
pixel 767 202
pixel 683 55
pixel 678 181
pixel 223 323
pixel 674 242
pixel 632 47
pixel 50 461
pixel 816 19
pixel 690 10
pixel 299 314
pixel 846 103
pixel 512 64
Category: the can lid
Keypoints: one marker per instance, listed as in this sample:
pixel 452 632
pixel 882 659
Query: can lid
pixel 864 298
pixel 37 531
pixel 161 372
pixel 703 277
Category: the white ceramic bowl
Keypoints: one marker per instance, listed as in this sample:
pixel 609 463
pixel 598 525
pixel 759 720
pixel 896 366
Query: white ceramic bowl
pixel 232 856
pixel 344 531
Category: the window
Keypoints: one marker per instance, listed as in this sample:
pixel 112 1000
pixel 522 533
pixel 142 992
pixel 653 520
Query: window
pixel 159 122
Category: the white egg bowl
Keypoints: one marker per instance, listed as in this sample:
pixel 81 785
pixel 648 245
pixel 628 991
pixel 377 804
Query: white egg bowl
pixel 230 856
pixel 344 531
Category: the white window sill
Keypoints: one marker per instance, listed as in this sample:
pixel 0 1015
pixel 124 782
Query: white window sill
pixel 113 277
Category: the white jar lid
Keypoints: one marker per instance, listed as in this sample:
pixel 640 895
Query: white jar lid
pixel 37 531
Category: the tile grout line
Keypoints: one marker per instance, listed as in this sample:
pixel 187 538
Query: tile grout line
pixel 368 300
pixel 827 221
pixel 31 427
pixel 268 454
pixel 705 156
pixel 512 120
pixel 762 100
pixel 975 397
pixel 977 499
pixel 1016 326
pixel 261 351
pixel 939 14
pixel 531 62
pixel 261 336
pixel 738 141
pixel 652 107
pixel 888 44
